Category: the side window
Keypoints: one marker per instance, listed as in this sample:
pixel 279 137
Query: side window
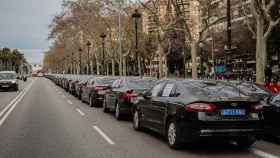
pixel 156 90
pixel 121 84
pixel 168 90
pixel 276 100
pixel 116 84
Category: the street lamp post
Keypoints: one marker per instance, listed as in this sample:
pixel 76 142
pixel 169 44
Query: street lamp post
pixel 103 36
pixel 80 59
pixel 228 47
pixel 88 61
pixel 136 16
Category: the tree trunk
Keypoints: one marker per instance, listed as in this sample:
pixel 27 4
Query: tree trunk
pixel 260 76
pixel 194 46
pixel 124 67
pixel 160 58
pixel 113 67
pixel 107 69
pixel 139 66
pixel 120 65
pixel 150 61
pixel 97 67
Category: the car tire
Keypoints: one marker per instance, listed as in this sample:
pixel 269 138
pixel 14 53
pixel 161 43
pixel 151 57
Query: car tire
pixel 173 135
pixel 245 143
pixel 91 103
pixel 105 109
pixel 137 124
pixel 118 114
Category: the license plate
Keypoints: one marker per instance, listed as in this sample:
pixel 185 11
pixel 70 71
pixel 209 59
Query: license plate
pixel 233 112
pixel 5 86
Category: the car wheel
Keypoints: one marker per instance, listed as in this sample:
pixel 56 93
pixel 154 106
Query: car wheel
pixel 105 109
pixel 137 125
pixel 91 104
pixel 118 112
pixel 173 135
pixel 245 143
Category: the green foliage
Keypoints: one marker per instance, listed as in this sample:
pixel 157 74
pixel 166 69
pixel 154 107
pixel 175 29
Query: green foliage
pixel 11 59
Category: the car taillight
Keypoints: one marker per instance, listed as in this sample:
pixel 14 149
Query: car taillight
pixel 257 108
pixel 200 107
pixel 129 96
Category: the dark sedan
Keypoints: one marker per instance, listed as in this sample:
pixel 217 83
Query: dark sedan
pixel 8 80
pixel 124 94
pixel 188 111
pixel 94 91
pixel 272 115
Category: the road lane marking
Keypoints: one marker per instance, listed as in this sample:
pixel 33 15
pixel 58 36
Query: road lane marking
pixel 69 102
pixel 14 104
pixel 98 130
pixel 262 154
pixel 80 112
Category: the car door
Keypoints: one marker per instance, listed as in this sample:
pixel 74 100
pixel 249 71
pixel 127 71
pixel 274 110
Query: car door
pixel 159 106
pixel 148 108
pixel 111 95
pixel 88 90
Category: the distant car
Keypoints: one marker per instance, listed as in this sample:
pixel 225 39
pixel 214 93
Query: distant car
pixel 124 93
pixel 188 111
pixel 8 80
pixel 272 116
pixel 95 90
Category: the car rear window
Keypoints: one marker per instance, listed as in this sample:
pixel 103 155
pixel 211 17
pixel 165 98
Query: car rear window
pixel 140 84
pixel 105 81
pixel 209 89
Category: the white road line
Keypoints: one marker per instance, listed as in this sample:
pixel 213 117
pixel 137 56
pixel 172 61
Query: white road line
pixel 262 154
pixel 69 102
pixel 14 104
pixel 80 112
pixel 98 130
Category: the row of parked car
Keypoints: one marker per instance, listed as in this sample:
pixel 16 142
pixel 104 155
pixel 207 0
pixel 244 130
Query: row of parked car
pixel 184 111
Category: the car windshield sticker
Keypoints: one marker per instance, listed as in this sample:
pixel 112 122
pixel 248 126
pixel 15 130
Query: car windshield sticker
pixel 167 90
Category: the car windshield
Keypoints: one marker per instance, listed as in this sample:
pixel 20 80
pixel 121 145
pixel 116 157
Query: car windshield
pixel 105 81
pixel 140 83
pixel 7 76
pixel 210 89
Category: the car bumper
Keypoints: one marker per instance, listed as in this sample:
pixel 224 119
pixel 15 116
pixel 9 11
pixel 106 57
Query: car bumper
pixel 223 130
pixel 8 86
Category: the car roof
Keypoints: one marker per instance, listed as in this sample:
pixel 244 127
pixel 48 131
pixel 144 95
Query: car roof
pixel 7 72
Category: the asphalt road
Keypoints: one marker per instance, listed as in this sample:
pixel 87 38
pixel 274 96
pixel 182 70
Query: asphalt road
pixel 43 121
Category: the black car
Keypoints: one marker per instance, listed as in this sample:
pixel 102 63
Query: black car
pixel 8 80
pixel 251 89
pixel 124 93
pixel 272 115
pixel 94 91
pixel 188 111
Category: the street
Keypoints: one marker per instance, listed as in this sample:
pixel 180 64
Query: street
pixel 44 121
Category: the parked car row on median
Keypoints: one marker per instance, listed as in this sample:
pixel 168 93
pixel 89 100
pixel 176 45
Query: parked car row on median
pixel 184 111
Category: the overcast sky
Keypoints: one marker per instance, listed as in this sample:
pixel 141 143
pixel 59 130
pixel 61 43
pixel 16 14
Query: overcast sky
pixel 24 25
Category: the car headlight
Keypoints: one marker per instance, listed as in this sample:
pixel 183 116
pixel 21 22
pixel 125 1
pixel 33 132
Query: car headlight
pixel 13 82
